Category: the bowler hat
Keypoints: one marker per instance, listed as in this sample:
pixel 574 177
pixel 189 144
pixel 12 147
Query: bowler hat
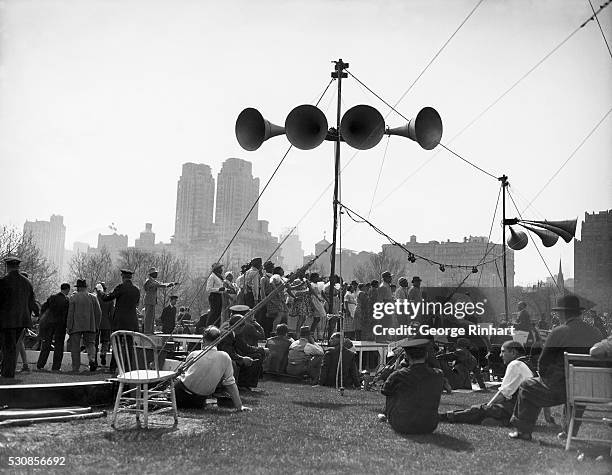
pixel 126 272
pixel 416 278
pixel 568 302
pixel 80 283
pixel 386 274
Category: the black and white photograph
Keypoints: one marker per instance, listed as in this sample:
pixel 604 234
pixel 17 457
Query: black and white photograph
pixel 306 236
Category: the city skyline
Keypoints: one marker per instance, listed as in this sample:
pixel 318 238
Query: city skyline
pixel 98 111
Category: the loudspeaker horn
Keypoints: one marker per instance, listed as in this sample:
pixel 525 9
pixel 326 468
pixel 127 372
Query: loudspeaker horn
pixel 517 239
pixel 252 129
pixel 425 128
pixel 306 127
pixel 362 127
pixel 566 229
pixel 547 237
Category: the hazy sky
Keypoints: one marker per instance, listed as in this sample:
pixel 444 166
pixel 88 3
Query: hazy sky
pixel 101 101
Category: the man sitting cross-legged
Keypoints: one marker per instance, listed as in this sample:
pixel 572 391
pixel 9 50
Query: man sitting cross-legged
pixel 499 409
pixel 305 357
pixel 205 374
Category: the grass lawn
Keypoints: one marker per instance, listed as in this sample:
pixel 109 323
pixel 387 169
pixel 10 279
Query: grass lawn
pixel 299 429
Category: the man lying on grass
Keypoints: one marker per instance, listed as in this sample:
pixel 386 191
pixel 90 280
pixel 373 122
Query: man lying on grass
pixel 413 393
pixel 202 377
pixel 499 409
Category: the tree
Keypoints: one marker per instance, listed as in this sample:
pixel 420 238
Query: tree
pixel 40 272
pixel 94 267
pixel 377 264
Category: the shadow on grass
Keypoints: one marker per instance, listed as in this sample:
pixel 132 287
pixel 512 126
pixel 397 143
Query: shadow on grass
pixel 441 440
pixel 134 434
pixel 322 405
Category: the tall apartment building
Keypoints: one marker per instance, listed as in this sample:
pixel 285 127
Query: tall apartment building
pixel 194 202
pixel 593 260
pixel 469 252
pixel 146 240
pixel 49 237
pixel 237 190
pixel 292 252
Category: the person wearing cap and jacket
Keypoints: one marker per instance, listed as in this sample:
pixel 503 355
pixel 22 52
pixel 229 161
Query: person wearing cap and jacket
pixel 17 304
pixel 150 301
pixel 413 393
pixel 547 390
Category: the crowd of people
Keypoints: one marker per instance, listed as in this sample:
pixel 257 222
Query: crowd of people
pixel 413 384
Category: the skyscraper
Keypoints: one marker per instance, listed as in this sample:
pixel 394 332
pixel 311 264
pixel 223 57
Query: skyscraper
pixel 237 190
pixel 194 202
pixel 292 252
pixel 146 239
pixel 49 237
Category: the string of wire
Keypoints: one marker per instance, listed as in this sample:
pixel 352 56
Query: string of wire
pixel 569 158
pixel 350 213
pixel 601 29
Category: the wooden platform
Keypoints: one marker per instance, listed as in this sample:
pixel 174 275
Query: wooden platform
pixel 37 396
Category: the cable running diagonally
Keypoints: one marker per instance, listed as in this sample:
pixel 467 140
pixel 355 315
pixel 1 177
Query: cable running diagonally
pixel 382 164
pixel 569 158
pixel 600 29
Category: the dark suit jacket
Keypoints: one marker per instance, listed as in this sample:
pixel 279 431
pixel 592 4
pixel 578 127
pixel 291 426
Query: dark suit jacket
pixel 126 296
pixel 16 301
pixel 56 307
pixel 236 347
pixel 350 375
pixel 576 336
pixel 107 309
pixel 168 319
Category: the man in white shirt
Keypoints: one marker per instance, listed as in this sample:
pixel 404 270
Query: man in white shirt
pixel 204 375
pixel 251 283
pixel 499 409
pixel 305 357
pixel 214 287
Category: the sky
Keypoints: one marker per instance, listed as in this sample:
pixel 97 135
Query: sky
pixel 102 101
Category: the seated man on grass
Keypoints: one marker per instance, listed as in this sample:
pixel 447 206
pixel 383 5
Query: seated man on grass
pixel 460 375
pixel 413 393
pixel 499 409
pixel 350 375
pixel 201 379
pixel 305 357
pixel 276 362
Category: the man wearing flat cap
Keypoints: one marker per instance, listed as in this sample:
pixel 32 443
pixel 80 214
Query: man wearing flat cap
pixel 126 296
pixel 17 304
pixel 547 390
pixel 150 301
pixel 413 393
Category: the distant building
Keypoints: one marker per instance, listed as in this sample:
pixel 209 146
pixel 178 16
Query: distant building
pixel 49 237
pixel 147 238
pixel 194 203
pixel 200 240
pixel 593 260
pixel 113 243
pixel 291 251
pixel 470 252
pixel 80 247
pixel 237 190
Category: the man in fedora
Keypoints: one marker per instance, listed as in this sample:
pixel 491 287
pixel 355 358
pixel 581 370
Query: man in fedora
pixel 82 322
pixel 547 390
pixel 17 304
pixel 150 301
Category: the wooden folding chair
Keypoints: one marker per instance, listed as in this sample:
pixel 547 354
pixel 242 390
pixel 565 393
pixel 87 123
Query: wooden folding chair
pixel 137 359
pixel 588 388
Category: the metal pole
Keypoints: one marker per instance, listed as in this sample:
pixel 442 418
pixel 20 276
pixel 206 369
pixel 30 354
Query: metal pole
pixel 504 184
pixel 337 74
